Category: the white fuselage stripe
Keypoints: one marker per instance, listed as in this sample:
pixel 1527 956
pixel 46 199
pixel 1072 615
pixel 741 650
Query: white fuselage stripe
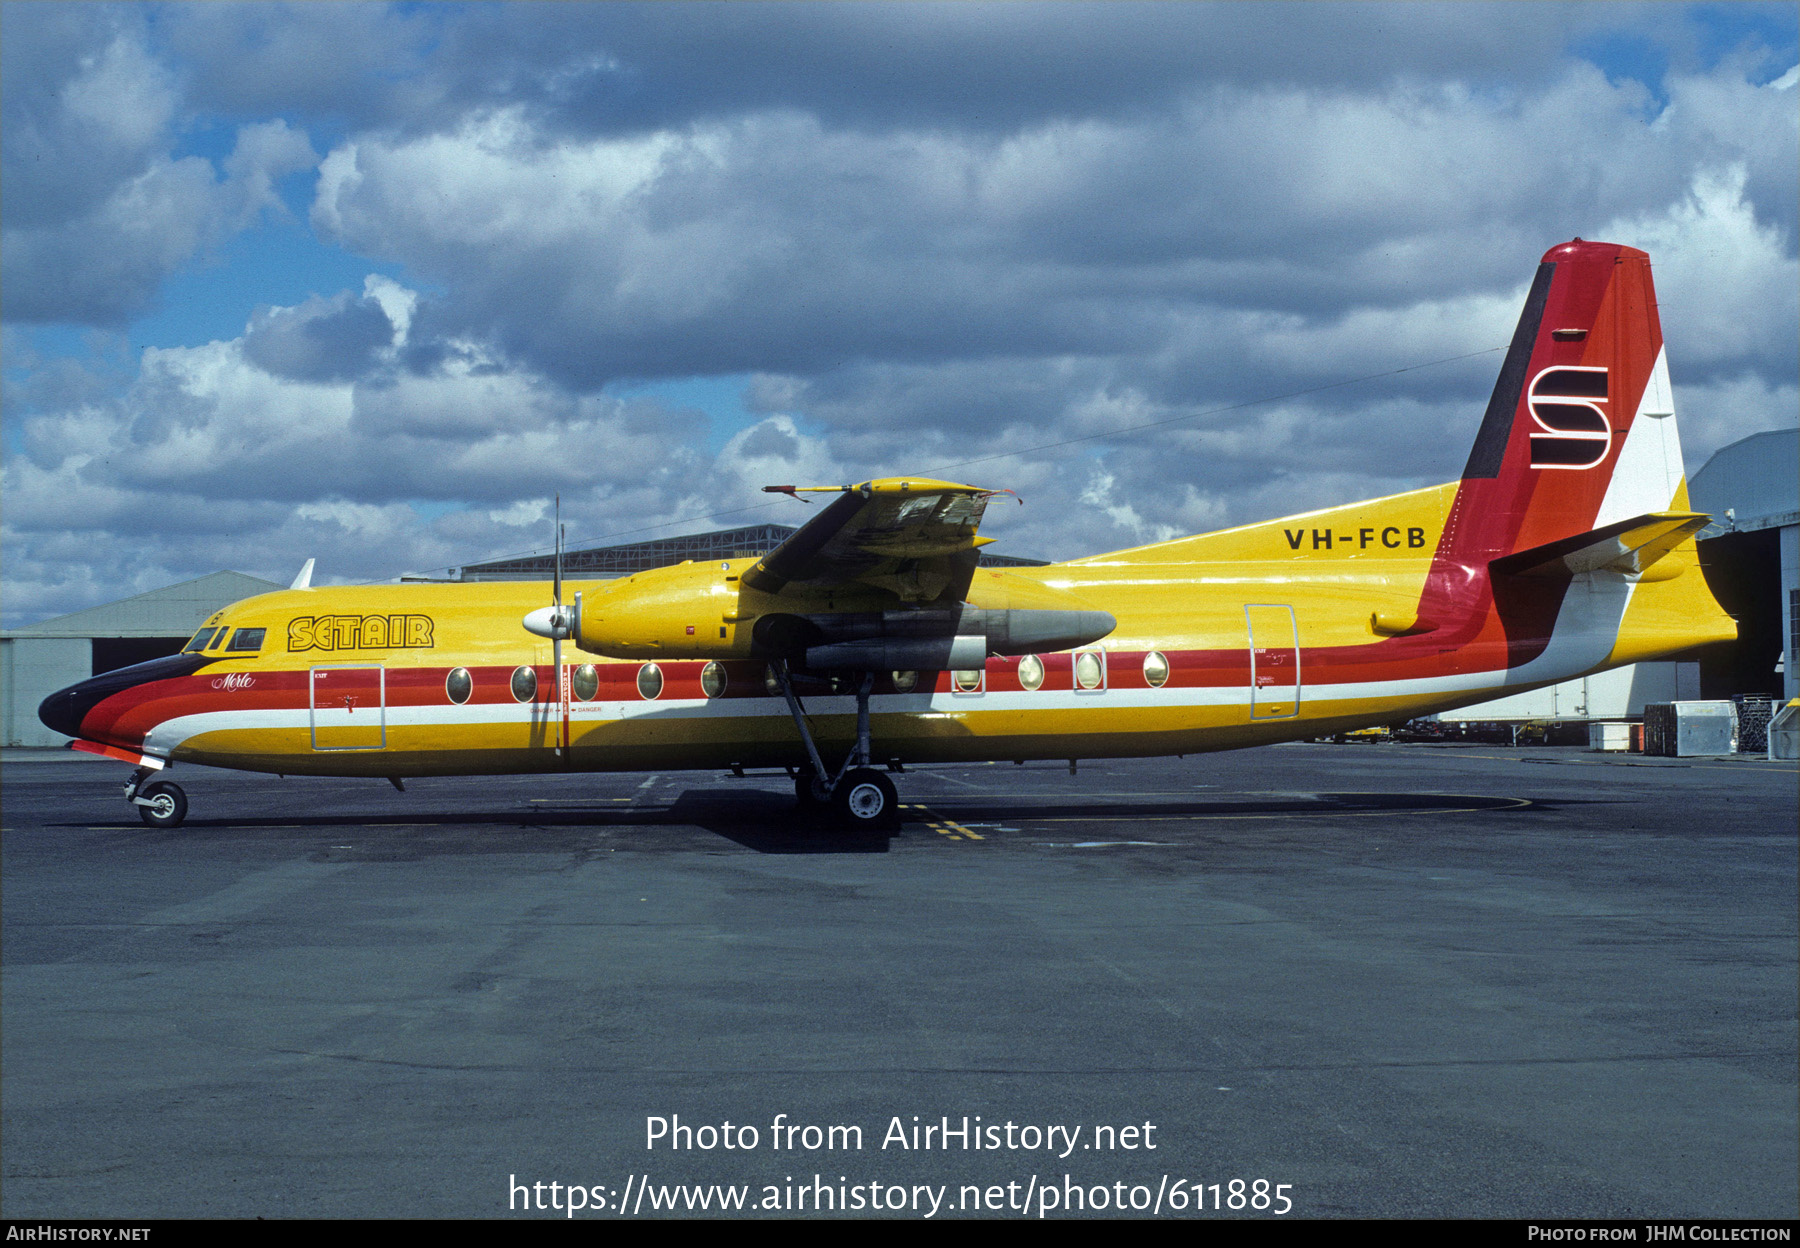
pixel 1583 638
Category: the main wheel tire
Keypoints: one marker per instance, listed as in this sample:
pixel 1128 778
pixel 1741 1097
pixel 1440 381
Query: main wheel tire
pixel 168 805
pixel 866 798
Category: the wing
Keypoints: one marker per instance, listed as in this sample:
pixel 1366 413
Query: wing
pixel 915 538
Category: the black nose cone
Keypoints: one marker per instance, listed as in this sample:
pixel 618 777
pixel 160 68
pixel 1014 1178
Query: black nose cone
pixel 64 710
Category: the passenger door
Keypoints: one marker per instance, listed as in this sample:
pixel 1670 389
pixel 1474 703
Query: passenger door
pixel 1274 662
pixel 349 706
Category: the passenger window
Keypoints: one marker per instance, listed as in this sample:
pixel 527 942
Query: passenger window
pixel 1031 672
pixel 199 642
pixel 650 681
pixel 458 685
pixel 1156 669
pixel 586 682
pixel 713 680
pixel 247 639
pixel 1089 674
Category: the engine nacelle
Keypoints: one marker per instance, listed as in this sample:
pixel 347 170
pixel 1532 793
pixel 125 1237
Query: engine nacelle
pixel 703 610
pixel 690 610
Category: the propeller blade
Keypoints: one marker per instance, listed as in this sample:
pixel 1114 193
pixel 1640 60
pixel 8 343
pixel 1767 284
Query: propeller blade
pixel 559 628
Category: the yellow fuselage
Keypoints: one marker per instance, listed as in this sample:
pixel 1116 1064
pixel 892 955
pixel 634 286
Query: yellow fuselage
pixel 1271 632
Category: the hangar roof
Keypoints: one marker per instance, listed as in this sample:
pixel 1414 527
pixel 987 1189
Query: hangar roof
pixel 173 611
pixel 605 562
pixel 1757 478
pixel 611 561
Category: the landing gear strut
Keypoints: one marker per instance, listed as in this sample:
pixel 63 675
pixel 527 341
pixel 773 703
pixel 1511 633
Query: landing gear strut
pixel 161 805
pixel 859 795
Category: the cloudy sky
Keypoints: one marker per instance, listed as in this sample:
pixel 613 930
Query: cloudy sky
pixel 372 283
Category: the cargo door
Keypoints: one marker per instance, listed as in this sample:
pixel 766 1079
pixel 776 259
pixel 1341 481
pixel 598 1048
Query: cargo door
pixel 1274 662
pixel 349 707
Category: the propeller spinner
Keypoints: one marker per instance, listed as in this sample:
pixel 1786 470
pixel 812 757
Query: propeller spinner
pixel 555 622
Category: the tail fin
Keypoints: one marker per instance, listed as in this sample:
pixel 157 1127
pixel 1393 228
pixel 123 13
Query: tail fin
pixel 1580 432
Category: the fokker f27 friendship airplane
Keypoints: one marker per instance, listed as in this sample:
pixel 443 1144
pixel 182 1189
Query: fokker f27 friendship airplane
pixel 870 636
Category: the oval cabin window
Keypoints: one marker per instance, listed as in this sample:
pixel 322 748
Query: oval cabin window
pixel 524 684
pixel 904 682
pixel 1031 672
pixel 712 680
pixel 1156 670
pixel 586 682
pixel 458 685
pixel 1088 671
pixel 967 681
pixel 649 681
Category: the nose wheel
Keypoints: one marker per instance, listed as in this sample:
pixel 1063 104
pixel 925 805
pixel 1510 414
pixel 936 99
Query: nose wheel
pixel 160 804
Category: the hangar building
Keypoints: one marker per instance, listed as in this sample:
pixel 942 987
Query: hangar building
pixel 1751 553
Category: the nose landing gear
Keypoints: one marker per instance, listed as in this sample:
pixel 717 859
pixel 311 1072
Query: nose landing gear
pixel 161 805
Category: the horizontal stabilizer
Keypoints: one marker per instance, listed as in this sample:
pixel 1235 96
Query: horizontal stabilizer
pixel 1629 546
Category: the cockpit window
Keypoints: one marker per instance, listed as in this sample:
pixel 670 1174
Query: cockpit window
pixel 247 639
pixel 218 639
pixel 200 641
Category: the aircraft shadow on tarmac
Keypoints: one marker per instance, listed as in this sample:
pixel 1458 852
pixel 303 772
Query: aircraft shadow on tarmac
pixel 769 822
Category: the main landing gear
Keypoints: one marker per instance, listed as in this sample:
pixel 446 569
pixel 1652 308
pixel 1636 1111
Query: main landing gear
pixel 161 804
pixel 859 795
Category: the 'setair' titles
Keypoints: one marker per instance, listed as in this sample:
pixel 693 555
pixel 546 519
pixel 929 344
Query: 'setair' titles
pixel 359 632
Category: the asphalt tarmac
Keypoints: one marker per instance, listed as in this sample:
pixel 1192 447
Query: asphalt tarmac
pixel 1378 980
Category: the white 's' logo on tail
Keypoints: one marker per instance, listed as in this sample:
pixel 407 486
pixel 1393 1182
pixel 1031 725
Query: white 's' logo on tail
pixel 1573 431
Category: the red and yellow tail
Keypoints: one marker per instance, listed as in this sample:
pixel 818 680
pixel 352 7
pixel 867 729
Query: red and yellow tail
pixel 1580 432
pixel 1576 470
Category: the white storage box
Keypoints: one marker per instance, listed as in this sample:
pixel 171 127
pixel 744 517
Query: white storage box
pixel 1609 736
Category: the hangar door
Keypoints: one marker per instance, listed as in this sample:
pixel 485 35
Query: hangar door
pixel 1274 662
pixel 349 707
